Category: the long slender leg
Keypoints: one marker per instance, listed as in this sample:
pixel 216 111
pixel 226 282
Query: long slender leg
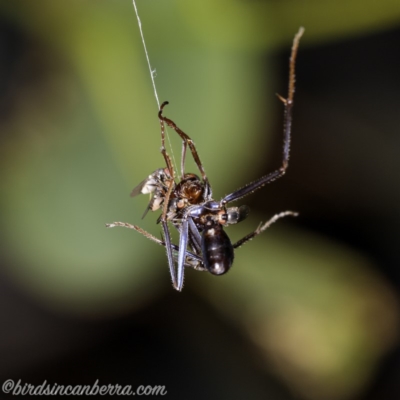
pixel 170 257
pixel 183 158
pixel 163 149
pixel 183 242
pixel 262 227
pixel 154 239
pixel 287 126
pixel 137 229
pixel 195 243
pixel 195 236
pixel 189 142
pixel 164 223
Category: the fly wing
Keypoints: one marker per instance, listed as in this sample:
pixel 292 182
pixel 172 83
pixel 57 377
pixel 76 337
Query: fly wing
pixel 149 184
pixel 139 188
pixel 154 203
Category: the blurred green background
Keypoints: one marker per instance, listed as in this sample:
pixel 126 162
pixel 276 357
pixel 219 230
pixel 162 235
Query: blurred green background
pixel 310 308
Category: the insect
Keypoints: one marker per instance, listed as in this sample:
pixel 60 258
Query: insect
pixel 188 204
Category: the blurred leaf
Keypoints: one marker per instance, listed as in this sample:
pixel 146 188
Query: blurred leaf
pixel 266 24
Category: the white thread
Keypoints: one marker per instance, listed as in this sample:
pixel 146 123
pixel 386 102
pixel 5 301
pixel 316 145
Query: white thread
pixel 153 73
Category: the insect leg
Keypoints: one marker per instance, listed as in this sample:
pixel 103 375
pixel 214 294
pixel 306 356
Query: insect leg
pixel 168 247
pixel 287 126
pixel 166 243
pixel 137 229
pixel 163 149
pixel 262 227
pixel 183 158
pixel 183 242
pixel 187 142
pixel 194 236
pixel 155 239
pixel 164 223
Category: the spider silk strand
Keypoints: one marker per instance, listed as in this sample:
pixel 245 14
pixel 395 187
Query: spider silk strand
pixel 152 72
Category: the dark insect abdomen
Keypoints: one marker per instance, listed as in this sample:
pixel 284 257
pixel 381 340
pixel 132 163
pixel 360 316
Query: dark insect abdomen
pixel 217 250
